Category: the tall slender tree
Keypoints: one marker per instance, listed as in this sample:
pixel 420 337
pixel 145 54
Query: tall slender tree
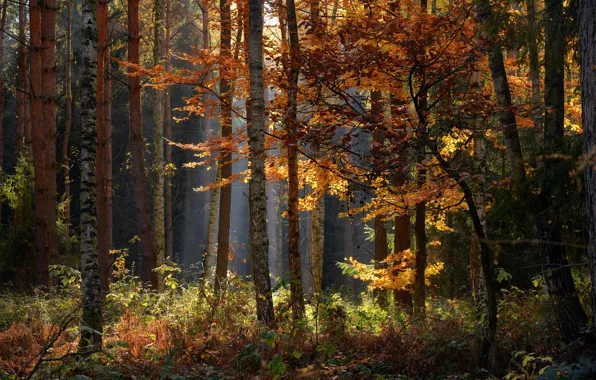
pixel 68 117
pixel 168 135
pixel 42 220
pixel 92 320
pixel 225 119
pixel 48 99
pixel 137 148
pixel 258 196
pixel 158 166
pixel 561 287
pixel 22 87
pixel 101 200
pixel 2 25
pixel 291 125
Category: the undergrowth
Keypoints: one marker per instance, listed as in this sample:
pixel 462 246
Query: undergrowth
pixel 186 332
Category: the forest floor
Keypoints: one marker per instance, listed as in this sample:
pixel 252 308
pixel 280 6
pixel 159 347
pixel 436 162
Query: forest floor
pixel 187 333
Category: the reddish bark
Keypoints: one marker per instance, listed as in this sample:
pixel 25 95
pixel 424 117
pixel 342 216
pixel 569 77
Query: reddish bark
pixel 147 247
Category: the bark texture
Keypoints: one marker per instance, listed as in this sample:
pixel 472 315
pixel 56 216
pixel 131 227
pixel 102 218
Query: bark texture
pixel 91 321
pixel 148 262
pixel 258 193
pixel 22 83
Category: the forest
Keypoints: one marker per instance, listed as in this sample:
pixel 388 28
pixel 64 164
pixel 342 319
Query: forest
pixel 298 189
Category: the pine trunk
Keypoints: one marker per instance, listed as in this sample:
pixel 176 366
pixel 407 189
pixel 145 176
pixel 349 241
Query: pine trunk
pixel 108 150
pixel 91 321
pixel 48 106
pixel 68 119
pixel 101 201
pixel 2 24
pixel 22 87
pixel 39 146
pixel 137 147
pixel 534 74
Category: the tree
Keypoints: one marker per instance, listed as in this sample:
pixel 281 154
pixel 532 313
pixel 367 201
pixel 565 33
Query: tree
pixel 2 25
pixel 68 117
pixel 561 287
pixel 502 93
pixel 22 87
pixel 587 36
pixel 258 195
pixel 42 220
pixel 137 148
pixel 92 320
pixel 168 135
pixel 48 104
pixel 225 119
pixel 101 188
pixel 158 166
pixel 291 125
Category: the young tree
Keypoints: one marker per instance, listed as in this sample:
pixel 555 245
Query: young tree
pixel 291 125
pixel 587 36
pixel 92 320
pixel 258 197
pixel 158 99
pixel 225 118
pixel 168 136
pixel 137 148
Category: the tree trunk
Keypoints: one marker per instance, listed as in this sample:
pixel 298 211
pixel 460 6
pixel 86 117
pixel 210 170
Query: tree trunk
pixel 258 195
pixel 48 106
pixel 380 228
pixel 168 135
pixel 570 314
pixel 420 261
pixel 158 98
pixel 485 257
pixel 587 33
pixel 318 243
pixel 68 118
pixel 503 95
pixel 22 79
pixel 137 147
pixel 291 121
pixel 476 276
pixel 108 150
pixel 39 146
pixel 2 24
pixel 534 74
pixel 225 201
pixel 101 201
pixel 91 321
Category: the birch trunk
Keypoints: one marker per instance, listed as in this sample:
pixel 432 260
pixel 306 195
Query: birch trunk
pixel 91 320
